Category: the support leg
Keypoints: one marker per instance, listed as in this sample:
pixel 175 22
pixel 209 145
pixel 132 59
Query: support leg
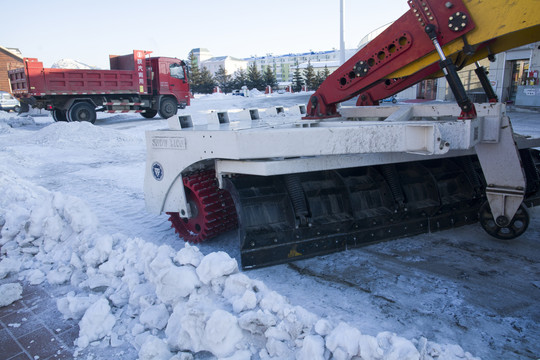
pixel 505 179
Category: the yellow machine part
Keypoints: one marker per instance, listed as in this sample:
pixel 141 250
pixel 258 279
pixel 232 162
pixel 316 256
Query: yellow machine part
pixel 504 24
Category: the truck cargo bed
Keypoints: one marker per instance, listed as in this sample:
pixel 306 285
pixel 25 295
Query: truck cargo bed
pixel 34 80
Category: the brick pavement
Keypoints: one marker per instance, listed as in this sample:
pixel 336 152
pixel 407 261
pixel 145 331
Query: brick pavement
pixel 33 328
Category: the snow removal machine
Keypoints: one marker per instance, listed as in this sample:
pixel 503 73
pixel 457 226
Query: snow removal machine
pixel 321 177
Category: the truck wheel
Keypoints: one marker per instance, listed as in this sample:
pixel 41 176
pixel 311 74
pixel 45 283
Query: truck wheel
pixel 24 108
pixel 150 113
pixel 82 111
pixel 168 108
pixel 59 115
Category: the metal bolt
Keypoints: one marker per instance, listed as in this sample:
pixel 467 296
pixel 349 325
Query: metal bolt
pixel 449 5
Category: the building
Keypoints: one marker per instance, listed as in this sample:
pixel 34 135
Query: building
pixel 229 63
pixel 514 75
pixel 10 58
pixel 200 55
pixel 284 65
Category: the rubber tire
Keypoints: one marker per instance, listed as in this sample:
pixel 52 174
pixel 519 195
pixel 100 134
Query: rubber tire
pixel 24 108
pixel 168 108
pixel 59 115
pixel 149 114
pixel 82 111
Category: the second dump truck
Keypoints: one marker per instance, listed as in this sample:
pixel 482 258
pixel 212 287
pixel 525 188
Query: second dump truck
pixel 135 83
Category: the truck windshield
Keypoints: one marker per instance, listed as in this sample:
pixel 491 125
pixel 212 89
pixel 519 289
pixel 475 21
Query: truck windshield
pixel 177 71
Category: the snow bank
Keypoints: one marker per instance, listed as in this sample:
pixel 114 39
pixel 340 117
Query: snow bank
pixel 9 293
pixel 10 120
pixel 80 134
pixel 169 304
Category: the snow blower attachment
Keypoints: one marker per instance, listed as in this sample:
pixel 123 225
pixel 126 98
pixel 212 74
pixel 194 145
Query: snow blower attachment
pixel 341 177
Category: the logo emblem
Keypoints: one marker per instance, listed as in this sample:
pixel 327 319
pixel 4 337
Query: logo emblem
pixel 157 171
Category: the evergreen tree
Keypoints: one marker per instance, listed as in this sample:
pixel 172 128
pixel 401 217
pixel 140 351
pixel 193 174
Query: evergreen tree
pixel 207 82
pixel 223 80
pixel 297 81
pixel 269 77
pixel 322 75
pixel 254 77
pixel 195 74
pixel 240 79
pixel 310 77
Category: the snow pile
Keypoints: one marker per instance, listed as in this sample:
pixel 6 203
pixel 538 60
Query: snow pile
pixel 69 134
pixel 167 303
pixel 12 120
pixel 255 92
pixel 71 64
pixel 9 293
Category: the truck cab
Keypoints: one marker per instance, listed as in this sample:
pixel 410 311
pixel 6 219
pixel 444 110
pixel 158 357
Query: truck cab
pixel 169 77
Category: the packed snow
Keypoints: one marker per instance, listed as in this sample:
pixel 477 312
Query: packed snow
pixel 71 64
pixel 72 216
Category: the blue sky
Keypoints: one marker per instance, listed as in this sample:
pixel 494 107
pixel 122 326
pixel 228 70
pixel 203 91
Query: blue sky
pixel 58 29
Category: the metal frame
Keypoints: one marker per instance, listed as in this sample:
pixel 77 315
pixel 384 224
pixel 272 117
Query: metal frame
pixel 361 136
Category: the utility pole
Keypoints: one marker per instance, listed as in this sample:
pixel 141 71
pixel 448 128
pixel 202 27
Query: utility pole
pixel 342 38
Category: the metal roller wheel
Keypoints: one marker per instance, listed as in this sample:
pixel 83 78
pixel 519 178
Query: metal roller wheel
pixel 212 208
pixel 515 227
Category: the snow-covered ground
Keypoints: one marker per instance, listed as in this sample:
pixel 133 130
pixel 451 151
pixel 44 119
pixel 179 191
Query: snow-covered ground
pixel 72 216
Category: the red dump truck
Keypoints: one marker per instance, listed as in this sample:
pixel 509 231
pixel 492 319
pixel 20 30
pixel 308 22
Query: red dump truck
pixel 135 83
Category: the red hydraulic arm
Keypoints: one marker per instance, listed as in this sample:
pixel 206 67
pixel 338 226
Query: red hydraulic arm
pixel 408 39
